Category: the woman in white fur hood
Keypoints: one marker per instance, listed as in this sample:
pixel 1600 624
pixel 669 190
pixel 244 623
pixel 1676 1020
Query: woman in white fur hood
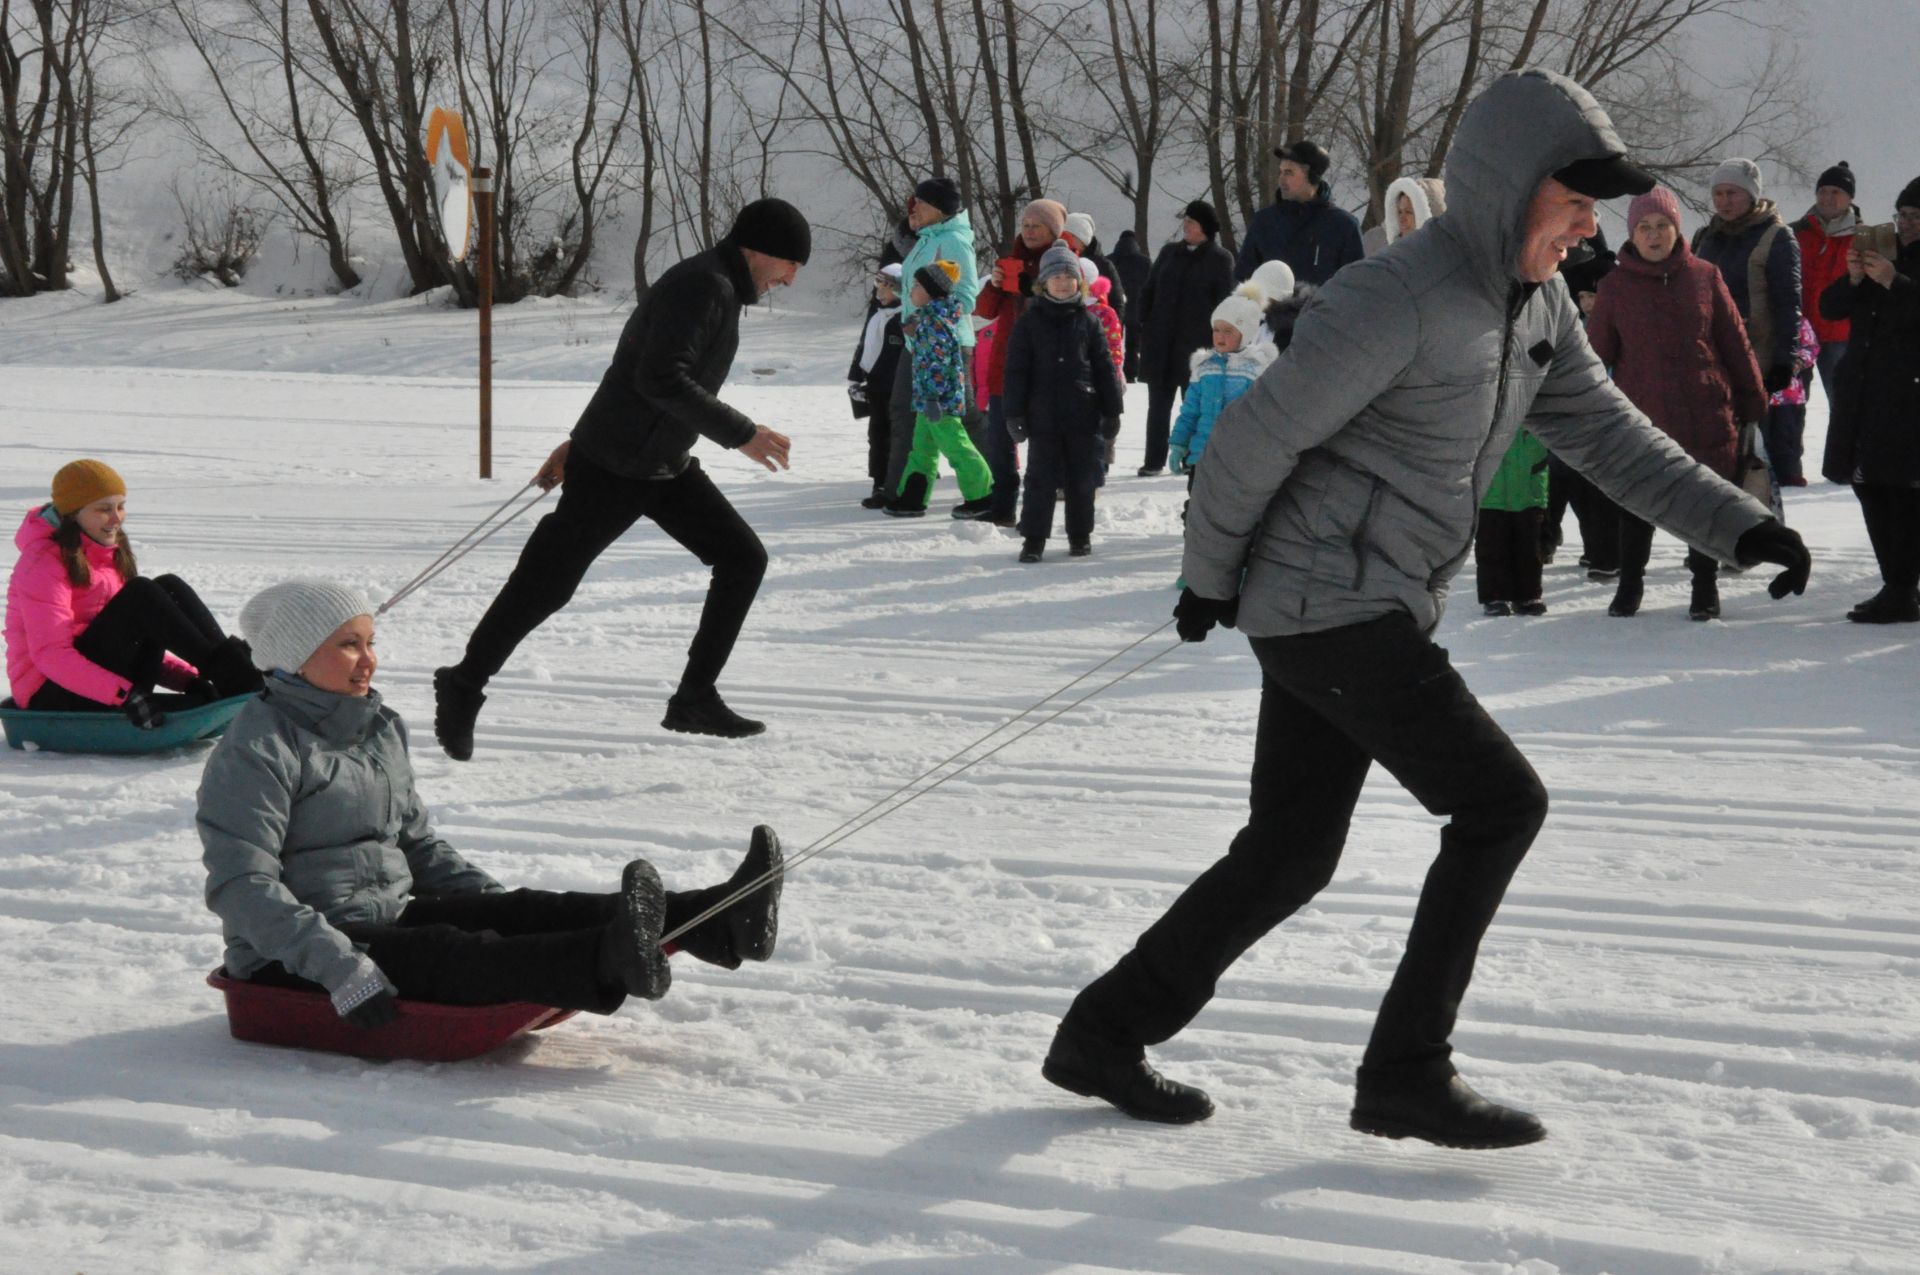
pixel 1411 202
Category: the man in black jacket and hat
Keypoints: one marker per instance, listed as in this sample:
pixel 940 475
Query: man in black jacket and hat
pixel 628 458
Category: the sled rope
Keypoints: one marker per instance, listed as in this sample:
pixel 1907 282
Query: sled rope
pixel 848 827
pixel 455 552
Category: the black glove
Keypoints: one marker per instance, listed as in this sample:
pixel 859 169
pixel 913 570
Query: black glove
pixel 141 712
pixel 1017 428
pixel 376 1011
pixel 1195 616
pixel 1778 377
pixel 1772 541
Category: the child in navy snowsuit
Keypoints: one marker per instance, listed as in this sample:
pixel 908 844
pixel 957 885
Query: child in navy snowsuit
pixel 1062 400
pixel 870 377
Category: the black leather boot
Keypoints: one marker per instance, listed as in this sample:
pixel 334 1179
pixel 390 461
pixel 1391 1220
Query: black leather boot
pixel 748 929
pixel 1626 598
pixel 630 954
pixel 912 500
pixel 456 707
pixel 1448 1114
pixel 1080 1064
pixel 1889 606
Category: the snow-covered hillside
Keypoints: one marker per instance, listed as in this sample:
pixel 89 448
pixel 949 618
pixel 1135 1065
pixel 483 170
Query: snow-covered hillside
pixel 1706 978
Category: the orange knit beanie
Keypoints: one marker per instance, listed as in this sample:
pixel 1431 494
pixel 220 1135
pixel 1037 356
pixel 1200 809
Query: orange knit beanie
pixel 79 483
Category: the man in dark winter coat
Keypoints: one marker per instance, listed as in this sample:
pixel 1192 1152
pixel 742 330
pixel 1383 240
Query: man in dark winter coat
pixel 1760 260
pixel 1133 265
pixel 1302 226
pixel 1188 279
pixel 1337 499
pixel 628 458
pixel 1873 438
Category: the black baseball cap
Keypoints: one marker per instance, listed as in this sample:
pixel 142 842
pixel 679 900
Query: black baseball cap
pixel 1607 177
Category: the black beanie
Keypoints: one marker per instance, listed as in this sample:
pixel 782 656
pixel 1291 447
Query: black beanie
pixel 775 227
pixel 1839 175
pixel 1910 196
pixel 942 192
pixel 1308 156
pixel 1202 211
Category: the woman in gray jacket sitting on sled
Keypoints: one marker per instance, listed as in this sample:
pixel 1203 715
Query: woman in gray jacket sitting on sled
pixel 324 871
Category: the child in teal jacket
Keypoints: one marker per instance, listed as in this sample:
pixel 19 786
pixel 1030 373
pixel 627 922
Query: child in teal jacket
pixel 1221 373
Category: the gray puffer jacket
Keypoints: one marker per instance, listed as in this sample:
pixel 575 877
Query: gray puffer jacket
pixel 309 820
pixel 1346 483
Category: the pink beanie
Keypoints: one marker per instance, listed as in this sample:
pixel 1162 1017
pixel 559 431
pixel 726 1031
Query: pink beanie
pixel 1050 212
pixel 1658 200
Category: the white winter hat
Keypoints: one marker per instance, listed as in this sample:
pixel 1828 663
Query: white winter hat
pixel 1275 279
pixel 285 623
pixel 1088 272
pixel 1743 173
pixel 1080 226
pixel 1244 308
pixel 891 271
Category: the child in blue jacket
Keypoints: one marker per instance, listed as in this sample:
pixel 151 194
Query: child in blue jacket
pixel 1221 373
pixel 939 400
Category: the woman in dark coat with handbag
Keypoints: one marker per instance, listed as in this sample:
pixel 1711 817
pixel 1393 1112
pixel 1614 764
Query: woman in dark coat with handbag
pixel 1873 438
pixel 1188 279
pixel 1666 325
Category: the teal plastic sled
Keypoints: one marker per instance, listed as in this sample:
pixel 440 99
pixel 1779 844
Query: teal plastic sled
pixel 113 733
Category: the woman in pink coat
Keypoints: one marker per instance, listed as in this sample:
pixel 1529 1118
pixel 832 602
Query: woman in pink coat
pixel 85 632
pixel 1665 324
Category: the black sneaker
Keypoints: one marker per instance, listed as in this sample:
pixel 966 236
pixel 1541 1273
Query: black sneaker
pixel 1626 598
pixel 1079 548
pixel 456 706
pixel 1497 609
pixel 1449 1114
pixel 708 715
pixel 973 510
pixel 877 500
pixel 1092 1069
pixel 1032 549
pixel 1148 471
pixel 1601 575
pixel 1535 607
pixel 630 954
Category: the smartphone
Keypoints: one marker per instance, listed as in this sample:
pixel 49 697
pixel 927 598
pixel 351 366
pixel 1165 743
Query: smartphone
pixel 1880 239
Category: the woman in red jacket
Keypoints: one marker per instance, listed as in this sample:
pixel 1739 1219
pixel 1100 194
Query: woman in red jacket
pixel 1666 325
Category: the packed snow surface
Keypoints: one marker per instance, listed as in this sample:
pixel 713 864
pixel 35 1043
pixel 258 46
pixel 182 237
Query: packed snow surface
pixel 1706 978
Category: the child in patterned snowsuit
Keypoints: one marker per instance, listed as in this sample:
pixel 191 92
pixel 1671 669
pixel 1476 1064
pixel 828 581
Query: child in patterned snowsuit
pixel 939 399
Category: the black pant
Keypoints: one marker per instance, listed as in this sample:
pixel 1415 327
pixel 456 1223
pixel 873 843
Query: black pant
pixel 132 635
pixel 1003 458
pixel 1331 704
pixel 1636 547
pixel 1055 461
pixel 1130 364
pixel 536 946
pixel 1506 555
pixel 1599 539
pixel 879 440
pixel 1892 516
pixel 1160 396
pixel 596 508
pixel 1784 430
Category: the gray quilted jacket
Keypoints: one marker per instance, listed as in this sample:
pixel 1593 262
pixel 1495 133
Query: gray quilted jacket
pixel 309 820
pixel 1346 483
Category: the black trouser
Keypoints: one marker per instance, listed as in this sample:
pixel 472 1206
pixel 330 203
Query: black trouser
pixel 1599 539
pixel 1160 396
pixel 1506 555
pixel 536 946
pixel 1636 547
pixel 1892 516
pixel 1130 364
pixel 879 439
pixel 1784 430
pixel 596 509
pixel 1055 461
pixel 1331 704
pixel 1003 458
pixel 132 635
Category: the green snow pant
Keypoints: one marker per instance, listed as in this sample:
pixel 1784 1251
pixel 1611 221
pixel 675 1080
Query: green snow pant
pixel 947 437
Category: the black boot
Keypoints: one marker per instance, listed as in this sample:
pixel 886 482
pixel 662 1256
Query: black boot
pixel 912 500
pixel 708 714
pixel 456 706
pixel 1889 606
pixel 1079 548
pixel 1031 550
pixel 1626 598
pixel 229 666
pixel 1448 1114
pixel 748 929
pixel 1080 1064
pixel 974 510
pixel 630 954
pixel 1706 599
pixel 876 500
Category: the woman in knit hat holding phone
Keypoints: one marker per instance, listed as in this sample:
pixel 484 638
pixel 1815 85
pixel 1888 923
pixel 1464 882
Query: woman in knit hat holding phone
pixel 86 632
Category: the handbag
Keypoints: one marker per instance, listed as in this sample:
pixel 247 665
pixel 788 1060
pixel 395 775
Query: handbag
pixel 1753 471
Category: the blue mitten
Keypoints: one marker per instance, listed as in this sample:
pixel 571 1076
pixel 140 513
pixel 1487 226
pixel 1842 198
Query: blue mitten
pixel 1177 457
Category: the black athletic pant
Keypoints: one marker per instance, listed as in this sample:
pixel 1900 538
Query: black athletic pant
pixel 1160 396
pixel 1506 555
pixel 1599 538
pixel 1331 704
pixel 1056 461
pixel 536 946
pixel 1636 548
pixel 132 635
pixel 596 509
pixel 1892 516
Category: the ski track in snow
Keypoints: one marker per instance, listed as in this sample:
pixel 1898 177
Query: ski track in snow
pixel 1704 978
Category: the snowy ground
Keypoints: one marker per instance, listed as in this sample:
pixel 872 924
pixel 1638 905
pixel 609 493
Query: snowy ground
pixel 1706 978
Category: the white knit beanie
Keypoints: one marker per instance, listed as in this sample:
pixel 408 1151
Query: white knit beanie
pixel 1743 173
pixel 1088 272
pixel 285 623
pixel 1245 308
pixel 1080 226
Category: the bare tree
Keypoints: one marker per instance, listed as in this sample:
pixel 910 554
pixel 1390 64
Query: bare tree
pixel 1130 89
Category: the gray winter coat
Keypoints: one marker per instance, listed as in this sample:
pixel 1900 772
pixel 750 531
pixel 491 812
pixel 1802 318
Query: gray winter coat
pixel 1347 482
pixel 309 820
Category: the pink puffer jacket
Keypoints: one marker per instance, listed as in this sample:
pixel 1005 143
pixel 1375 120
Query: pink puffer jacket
pixel 46 612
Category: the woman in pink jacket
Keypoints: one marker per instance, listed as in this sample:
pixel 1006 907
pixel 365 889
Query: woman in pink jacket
pixel 86 632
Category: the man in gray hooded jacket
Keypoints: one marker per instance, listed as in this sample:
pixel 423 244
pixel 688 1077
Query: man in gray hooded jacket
pixel 1338 500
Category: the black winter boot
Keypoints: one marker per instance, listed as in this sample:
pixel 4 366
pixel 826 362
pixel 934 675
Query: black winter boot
pixel 1448 1114
pixel 708 714
pixel 748 929
pixel 630 954
pixel 1080 1064
pixel 1032 549
pixel 456 706
pixel 1706 599
pixel 1889 606
pixel 1079 548
pixel 1626 598
pixel 974 510
pixel 912 500
pixel 877 500
pixel 229 666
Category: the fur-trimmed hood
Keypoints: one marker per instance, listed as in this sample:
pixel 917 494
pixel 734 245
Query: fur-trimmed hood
pixel 1250 360
pixel 1428 196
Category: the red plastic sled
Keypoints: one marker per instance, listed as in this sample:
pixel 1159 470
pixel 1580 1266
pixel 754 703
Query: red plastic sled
pixel 425 1031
